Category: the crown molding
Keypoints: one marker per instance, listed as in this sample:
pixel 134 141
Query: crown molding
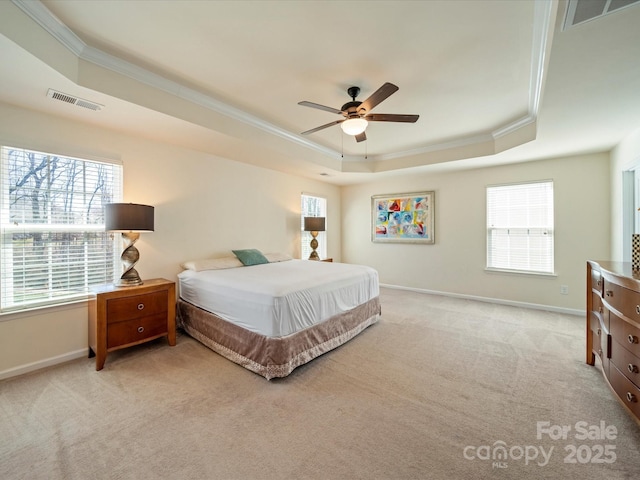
pixel 54 26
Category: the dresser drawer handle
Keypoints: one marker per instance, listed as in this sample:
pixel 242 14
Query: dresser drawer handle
pixel 598 332
pixel 632 368
pixel 141 306
pixel 631 398
pixel 140 329
pixel 599 282
pixel 632 339
pixel 609 293
pixel 638 309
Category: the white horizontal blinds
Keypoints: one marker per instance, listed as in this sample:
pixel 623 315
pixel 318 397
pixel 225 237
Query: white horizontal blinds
pixel 520 227
pixel 54 246
pixel 312 206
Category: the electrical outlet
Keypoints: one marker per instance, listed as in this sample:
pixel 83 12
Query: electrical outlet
pixel 564 289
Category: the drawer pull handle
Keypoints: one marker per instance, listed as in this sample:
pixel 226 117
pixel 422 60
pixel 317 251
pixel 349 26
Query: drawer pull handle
pixel 600 309
pixel 632 339
pixel 140 329
pixel 598 332
pixel 631 398
pixel 632 368
pixel 598 282
pixel 609 293
pixel 141 306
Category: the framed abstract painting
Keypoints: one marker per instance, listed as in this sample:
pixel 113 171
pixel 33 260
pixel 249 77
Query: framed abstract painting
pixel 403 218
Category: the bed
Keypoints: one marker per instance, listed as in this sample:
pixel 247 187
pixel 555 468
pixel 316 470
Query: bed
pixel 273 317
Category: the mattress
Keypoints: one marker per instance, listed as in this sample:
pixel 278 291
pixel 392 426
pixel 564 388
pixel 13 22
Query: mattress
pixel 279 299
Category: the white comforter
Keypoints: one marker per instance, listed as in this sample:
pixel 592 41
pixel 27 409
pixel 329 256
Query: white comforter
pixel 278 299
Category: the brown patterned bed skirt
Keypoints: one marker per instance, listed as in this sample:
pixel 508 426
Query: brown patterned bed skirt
pixel 274 357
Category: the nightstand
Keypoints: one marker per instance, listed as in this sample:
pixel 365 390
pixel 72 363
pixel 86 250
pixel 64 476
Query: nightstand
pixel 120 317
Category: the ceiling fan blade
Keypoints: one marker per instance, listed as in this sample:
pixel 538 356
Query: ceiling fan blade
pixel 390 117
pixel 322 127
pixel 361 137
pixel 384 92
pixel 320 107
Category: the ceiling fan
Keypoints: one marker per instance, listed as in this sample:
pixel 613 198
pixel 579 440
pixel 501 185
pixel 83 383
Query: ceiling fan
pixel 357 114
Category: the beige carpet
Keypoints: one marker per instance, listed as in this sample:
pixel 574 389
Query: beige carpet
pixel 424 394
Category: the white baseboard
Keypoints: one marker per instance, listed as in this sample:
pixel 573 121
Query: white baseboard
pixel 534 306
pixel 47 362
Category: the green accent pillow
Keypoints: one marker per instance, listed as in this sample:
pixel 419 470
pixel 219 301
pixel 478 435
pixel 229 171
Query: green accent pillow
pixel 250 256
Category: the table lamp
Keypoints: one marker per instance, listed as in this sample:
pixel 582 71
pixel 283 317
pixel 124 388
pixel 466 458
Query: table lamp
pixel 130 219
pixel 314 225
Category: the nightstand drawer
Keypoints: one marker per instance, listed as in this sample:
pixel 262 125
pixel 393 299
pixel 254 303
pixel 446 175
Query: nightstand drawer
pixel 127 308
pixel 625 333
pixel 121 317
pixel 136 330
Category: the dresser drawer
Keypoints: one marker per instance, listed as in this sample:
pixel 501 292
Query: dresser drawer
pixel 625 333
pixel 596 302
pixel 136 330
pixel 626 301
pixel 626 390
pixel 626 362
pixel 127 308
pixel 597 281
pixel 601 337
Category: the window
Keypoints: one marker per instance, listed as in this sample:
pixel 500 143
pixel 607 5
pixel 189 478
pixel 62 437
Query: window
pixel 520 227
pixel 54 246
pixel 313 207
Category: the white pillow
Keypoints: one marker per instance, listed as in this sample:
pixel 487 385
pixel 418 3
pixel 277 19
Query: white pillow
pixel 212 264
pixel 277 257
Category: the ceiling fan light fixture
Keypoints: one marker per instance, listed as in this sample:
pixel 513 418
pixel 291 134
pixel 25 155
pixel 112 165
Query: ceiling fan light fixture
pixel 354 126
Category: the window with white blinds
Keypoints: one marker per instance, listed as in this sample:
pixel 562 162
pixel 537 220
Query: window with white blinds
pixel 312 206
pixel 54 247
pixel 520 227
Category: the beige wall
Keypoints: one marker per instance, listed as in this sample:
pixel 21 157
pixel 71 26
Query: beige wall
pixel 204 207
pixel 626 156
pixel 456 263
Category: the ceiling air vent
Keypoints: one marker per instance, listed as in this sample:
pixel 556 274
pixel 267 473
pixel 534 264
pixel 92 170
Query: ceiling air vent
pixel 580 11
pixel 63 97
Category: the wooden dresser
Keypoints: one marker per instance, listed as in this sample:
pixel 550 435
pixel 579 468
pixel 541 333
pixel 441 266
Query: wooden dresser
pixel 613 328
pixel 121 317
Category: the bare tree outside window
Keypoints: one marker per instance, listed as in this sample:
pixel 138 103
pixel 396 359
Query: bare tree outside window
pixel 54 246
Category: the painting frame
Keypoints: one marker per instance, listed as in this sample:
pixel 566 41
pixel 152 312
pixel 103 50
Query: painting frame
pixel 403 217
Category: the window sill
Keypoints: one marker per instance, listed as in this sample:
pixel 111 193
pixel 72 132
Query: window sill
pixel 42 310
pixel 519 272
